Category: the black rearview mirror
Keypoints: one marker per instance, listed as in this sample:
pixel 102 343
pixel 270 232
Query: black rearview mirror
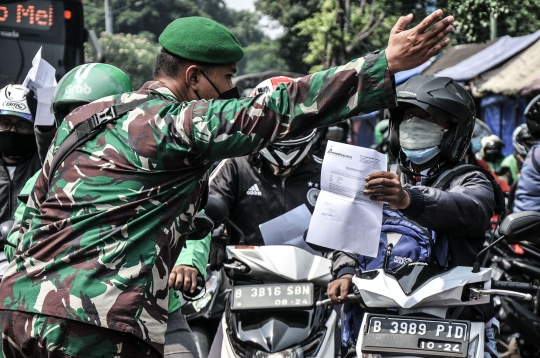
pixel 523 226
pixel 216 209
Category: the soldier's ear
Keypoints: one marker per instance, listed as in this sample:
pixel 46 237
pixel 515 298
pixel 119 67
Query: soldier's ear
pixel 192 76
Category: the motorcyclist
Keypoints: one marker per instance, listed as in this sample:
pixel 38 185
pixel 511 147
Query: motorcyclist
pixel 153 161
pixel 19 158
pixel 528 186
pixel 279 178
pixel 82 85
pixel 491 151
pixel 430 131
pixel 522 141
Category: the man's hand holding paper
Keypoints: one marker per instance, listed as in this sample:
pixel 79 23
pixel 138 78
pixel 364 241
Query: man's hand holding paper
pixel 386 187
pixel 345 218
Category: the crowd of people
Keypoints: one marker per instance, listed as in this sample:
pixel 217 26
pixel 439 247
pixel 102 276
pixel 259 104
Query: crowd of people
pixel 104 201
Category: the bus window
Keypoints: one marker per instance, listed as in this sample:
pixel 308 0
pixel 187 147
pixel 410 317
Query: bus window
pixel 27 25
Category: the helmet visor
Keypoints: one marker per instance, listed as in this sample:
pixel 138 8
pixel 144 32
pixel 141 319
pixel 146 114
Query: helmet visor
pixel 17 114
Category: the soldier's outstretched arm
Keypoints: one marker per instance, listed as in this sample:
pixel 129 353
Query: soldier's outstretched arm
pixel 225 129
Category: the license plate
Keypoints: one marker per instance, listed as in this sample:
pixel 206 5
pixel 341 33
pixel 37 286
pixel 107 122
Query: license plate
pixel 434 337
pixel 272 296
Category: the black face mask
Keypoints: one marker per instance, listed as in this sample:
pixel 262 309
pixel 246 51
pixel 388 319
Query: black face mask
pixel 15 145
pixel 229 94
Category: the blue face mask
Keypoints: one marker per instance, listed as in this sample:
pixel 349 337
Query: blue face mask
pixel 421 156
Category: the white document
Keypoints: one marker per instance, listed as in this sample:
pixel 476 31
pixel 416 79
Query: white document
pixel 44 116
pixel 41 75
pixel 288 229
pixel 344 218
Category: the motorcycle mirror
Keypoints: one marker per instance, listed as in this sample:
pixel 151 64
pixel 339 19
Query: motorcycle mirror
pixel 216 209
pixel 523 226
pixel 5 227
pixel 203 226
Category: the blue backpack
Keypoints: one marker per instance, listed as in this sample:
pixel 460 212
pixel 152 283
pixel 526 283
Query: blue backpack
pixel 403 241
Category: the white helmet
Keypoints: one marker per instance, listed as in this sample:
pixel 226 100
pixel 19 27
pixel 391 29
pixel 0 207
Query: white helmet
pixel 13 102
pixel 286 154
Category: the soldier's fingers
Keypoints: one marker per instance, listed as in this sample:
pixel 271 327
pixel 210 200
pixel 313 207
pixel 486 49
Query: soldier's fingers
pixel 179 282
pixel 437 48
pixel 384 198
pixel 428 21
pixel 193 281
pixel 172 278
pixel 187 283
pixel 402 23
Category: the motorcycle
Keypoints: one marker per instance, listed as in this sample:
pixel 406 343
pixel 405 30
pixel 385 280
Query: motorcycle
pixel 204 312
pixel 271 310
pixel 406 310
pixel 520 322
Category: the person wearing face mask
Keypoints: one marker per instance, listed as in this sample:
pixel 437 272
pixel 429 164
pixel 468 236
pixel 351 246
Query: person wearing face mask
pixel 527 195
pixel 102 80
pixel 430 131
pixel 126 174
pixel 280 177
pixel 18 151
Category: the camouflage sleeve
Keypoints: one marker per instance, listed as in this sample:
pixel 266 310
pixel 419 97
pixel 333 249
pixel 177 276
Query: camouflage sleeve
pixel 225 129
pixel 13 236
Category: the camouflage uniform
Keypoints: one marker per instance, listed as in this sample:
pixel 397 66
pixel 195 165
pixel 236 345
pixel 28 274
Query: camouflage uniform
pixel 102 240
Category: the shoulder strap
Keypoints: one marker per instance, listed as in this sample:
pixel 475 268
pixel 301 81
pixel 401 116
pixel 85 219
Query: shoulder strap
pixel 90 127
pixel 443 181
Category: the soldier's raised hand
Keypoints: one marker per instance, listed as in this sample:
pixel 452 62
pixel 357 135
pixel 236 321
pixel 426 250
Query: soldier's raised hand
pixel 408 49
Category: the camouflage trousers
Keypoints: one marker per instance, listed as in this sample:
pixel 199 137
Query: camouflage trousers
pixel 34 335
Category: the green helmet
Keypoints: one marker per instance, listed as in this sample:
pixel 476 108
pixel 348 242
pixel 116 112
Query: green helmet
pixel 87 83
pixel 381 131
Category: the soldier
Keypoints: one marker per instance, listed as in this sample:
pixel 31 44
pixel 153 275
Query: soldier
pixel 89 277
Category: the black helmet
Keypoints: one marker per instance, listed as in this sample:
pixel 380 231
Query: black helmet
pixel 532 117
pixel 338 132
pixel 492 147
pixel 442 98
pixel 522 140
pixel 287 154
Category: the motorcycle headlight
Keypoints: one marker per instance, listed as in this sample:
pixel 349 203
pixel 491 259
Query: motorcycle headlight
pixel 201 303
pixel 288 353
pixel 473 347
pixel 306 350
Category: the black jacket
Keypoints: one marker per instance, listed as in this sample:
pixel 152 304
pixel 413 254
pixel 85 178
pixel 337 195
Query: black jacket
pixel 463 213
pixel 254 195
pixel 9 189
pixel 25 169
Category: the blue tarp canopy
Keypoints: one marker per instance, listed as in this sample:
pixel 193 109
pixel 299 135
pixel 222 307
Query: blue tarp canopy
pixel 489 57
pixel 503 114
pixel 405 75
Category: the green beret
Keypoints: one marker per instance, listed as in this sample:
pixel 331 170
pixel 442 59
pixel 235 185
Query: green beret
pixel 201 40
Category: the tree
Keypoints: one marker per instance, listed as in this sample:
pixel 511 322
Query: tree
pixel 343 30
pixel 151 16
pixel 293 47
pixel 514 18
pixel 262 56
pixel 133 54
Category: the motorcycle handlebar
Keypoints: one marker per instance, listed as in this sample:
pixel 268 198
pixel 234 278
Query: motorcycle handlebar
pixel 514 286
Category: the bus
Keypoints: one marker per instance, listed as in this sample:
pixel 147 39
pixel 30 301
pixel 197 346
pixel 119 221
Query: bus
pixel 26 25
